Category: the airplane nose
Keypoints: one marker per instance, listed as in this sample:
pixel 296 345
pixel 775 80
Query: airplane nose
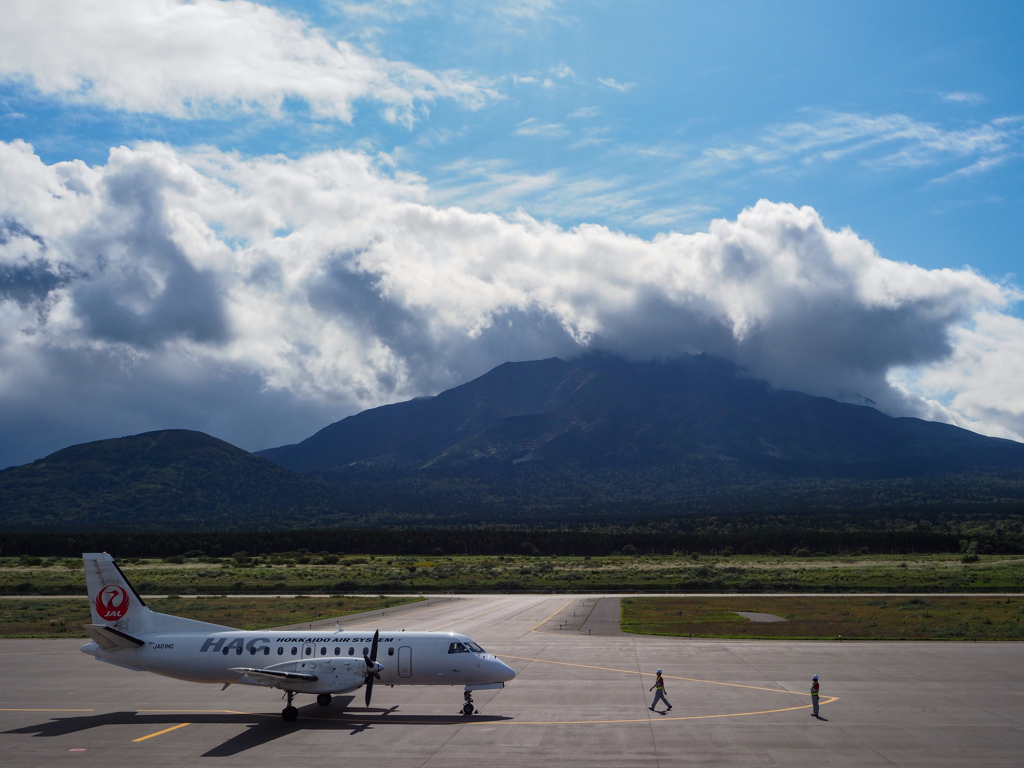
pixel 506 672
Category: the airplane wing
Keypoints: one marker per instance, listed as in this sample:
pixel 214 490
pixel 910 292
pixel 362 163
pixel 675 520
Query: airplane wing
pixel 110 639
pixel 273 677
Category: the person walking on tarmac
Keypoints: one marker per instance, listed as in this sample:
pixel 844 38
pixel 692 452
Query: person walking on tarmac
pixel 814 695
pixel 660 685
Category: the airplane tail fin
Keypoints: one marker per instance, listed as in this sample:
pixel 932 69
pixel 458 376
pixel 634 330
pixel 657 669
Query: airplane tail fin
pixel 112 598
pixel 116 605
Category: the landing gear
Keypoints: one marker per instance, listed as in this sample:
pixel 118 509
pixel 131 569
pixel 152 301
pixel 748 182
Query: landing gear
pixel 289 713
pixel 323 699
pixel 468 708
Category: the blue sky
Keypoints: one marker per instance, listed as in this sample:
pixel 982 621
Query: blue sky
pixel 475 140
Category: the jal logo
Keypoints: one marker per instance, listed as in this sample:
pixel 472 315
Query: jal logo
pixel 112 603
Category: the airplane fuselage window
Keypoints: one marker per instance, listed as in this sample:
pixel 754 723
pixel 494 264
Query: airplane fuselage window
pixel 351 651
pixel 337 650
pixel 391 651
pixel 294 650
pixel 280 650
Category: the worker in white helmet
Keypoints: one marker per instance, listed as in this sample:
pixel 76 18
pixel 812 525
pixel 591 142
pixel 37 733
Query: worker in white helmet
pixel 659 683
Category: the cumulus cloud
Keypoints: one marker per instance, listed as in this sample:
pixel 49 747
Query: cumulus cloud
pixel 178 59
pixel 141 293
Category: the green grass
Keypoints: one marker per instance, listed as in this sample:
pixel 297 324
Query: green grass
pixel 42 617
pixel 949 617
pixel 616 573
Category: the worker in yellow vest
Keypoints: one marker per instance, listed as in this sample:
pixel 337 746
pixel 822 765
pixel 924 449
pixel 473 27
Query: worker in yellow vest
pixel 660 685
pixel 814 695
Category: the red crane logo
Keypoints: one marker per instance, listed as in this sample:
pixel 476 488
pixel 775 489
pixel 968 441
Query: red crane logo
pixel 112 603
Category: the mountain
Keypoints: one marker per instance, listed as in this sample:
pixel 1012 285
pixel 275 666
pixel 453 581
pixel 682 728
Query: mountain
pixel 602 412
pixel 597 440
pixel 169 480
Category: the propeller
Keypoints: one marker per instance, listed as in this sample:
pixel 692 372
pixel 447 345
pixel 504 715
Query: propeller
pixel 371 667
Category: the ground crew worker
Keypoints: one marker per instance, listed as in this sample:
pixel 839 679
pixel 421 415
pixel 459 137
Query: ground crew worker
pixel 660 685
pixel 814 695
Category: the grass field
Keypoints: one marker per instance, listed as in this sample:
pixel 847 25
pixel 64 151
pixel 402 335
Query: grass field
pixel 951 617
pixel 288 574
pixel 42 617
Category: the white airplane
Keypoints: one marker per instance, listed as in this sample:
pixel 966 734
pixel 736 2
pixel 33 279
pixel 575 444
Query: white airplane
pixel 128 634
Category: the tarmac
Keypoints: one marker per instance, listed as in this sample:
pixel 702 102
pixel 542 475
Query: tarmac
pixel 580 697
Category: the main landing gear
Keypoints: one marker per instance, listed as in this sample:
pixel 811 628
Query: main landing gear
pixel 289 713
pixel 468 708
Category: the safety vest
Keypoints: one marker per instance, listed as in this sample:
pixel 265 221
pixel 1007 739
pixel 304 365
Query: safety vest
pixel 660 683
pixel 814 689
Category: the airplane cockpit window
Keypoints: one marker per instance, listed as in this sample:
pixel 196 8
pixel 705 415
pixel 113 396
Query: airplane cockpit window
pixel 457 648
pixel 474 647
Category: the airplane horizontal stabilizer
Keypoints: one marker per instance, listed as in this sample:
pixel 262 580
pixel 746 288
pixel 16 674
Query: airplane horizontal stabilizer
pixel 110 639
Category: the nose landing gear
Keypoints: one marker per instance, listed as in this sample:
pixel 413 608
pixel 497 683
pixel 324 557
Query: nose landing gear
pixel 468 708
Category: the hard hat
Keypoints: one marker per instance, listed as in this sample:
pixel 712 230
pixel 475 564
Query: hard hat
pixel 659 671
pixel 814 678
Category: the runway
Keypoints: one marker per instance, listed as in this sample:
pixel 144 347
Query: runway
pixel 580 697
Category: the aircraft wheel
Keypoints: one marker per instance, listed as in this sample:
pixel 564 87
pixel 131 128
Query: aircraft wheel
pixel 467 708
pixel 323 699
pixel 289 713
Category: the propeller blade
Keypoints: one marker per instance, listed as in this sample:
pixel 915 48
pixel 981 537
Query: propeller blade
pixel 371 666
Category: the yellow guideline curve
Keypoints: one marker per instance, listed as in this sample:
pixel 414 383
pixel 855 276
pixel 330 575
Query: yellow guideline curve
pixel 676 677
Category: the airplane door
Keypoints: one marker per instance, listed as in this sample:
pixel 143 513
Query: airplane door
pixel 405 661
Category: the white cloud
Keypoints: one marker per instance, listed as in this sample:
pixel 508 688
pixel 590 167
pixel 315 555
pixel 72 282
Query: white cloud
pixel 533 127
pixel 615 85
pixel 963 97
pixel 136 295
pixel 185 59
pixel 881 143
pixel 979 384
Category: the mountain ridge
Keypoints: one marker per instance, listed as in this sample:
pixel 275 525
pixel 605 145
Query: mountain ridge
pixel 601 410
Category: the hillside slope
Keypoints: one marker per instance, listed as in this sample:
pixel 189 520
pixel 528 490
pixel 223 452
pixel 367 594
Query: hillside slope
pixel 167 480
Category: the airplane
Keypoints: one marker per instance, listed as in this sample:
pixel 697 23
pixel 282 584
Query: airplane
pixel 128 634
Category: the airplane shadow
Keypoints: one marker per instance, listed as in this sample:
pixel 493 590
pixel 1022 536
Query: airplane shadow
pixel 260 729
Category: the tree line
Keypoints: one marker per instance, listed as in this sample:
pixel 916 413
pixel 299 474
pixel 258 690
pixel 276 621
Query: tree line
pixel 823 534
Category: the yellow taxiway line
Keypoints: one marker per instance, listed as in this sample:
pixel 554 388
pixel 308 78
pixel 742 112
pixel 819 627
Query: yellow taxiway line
pixel 548 618
pixel 160 733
